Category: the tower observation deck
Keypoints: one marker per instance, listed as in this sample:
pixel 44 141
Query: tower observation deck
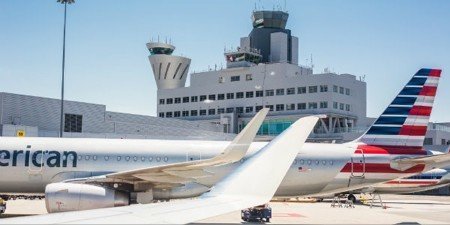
pixel 170 71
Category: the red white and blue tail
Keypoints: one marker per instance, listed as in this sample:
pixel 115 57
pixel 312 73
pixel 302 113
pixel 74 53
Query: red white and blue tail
pixel 405 121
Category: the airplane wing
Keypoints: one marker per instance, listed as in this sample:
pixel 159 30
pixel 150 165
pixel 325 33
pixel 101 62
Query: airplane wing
pixel 434 161
pixel 177 174
pixel 251 184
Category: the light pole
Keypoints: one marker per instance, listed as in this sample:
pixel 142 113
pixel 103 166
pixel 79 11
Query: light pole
pixel 61 125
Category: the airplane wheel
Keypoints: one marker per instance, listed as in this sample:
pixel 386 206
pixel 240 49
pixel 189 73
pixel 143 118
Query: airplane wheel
pixel 352 198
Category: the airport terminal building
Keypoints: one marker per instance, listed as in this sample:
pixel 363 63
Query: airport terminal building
pixel 263 72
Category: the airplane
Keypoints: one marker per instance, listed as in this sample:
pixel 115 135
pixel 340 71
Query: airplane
pixel 143 171
pixel 252 183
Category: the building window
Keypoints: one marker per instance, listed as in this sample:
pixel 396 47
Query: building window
pixel 169 114
pixel 202 112
pixel 280 91
pixel 323 88
pixel 185 99
pixel 323 105
pixel 341 90
pixel 301 106
pixel 290 91
pixel 280 107
pixel 239 109
pixel 177 100
pixel 335 88
pixel 443 142
pixel 347 91
pixel 211 111
pixel 341 106
pixel 269 92
pixel 169 101
pixel 301 90
pixel 249 94
pixel 220 110
pixel 212 97
pixel 177 114
pixel 335 105
pixel 240 95
pixel 220 96
pixel 428 141
pixel 248 77
pixel 347 107
pixel 194 99
pixel 290 106
pixel 230 110
pixel 202 98
pixel 259 94
pixel 185 113
pixel 249 109
pixel 312 105
pixel 258 108
pixel 161 101
pixel 161 114
pixel 230 95
pixel 221 80
pixel 235 78
pixel 73 123
pixel 270 107
pixel 194 113
pixel 312 89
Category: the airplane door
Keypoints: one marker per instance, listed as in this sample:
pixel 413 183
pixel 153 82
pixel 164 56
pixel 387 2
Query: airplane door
pixel 358 167
pixel 193 155
pixel 35 172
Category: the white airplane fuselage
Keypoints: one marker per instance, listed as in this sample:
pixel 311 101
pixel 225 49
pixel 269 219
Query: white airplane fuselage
pixel 318 168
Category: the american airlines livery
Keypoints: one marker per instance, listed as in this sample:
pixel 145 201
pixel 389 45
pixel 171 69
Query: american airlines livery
pixel 80 174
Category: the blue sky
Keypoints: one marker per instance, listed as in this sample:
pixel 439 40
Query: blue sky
pixel 385 40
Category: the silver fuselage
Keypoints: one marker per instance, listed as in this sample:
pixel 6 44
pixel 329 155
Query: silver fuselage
pixel 318 168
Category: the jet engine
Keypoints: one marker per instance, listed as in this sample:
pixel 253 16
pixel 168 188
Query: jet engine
pixel 189 190
pixel 63 197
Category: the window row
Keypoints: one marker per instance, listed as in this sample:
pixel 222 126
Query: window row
pixel 252 94
pixel 251 109
pixel 125 158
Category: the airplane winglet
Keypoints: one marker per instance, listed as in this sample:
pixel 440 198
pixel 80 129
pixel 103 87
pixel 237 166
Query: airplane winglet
pixel 237 149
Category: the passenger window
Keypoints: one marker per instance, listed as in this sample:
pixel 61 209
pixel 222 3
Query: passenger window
pixel 143 158
pixel 158 159
pixel 166 159
pixel 331 162
pixel 295 161
pixel 324 162
pixel 302 161
pixel 106 158
pixel 150 158
pixel 119 158
pixel 135 158
pixel 128 158
pixel 309 161
pixel 317 162
pixel 94 158
pixel 87 157
pixel 80 158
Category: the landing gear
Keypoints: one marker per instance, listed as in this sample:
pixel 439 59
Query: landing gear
pixel 352 198
pixel 260 214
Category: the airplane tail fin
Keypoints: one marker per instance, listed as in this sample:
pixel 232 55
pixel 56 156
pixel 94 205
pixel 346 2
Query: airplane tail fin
pixel 404 122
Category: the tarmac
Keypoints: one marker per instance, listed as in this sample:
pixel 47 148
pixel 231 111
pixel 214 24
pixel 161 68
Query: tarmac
pixel 400 209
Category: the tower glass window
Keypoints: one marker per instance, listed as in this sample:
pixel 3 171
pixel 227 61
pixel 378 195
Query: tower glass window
pixel 220 110
pixel 212 97
pixel 73 123
pixel 239 109
pixel 220 96
pixel 194 99
pixel 185 113
pixel 323 88
pixel 249 94
pixel 185 99
pixel 230 95
pixel 194 112
pixel 280 107
pixel 240 95
pixel 312 105
pixel 323 105
pixel 169 101
pixel 202 98
pixel 301 106
pixel 161 101
pixel 290 106
pixel 177 114
pixel 249 109
pixel 211 111
pixel 177 100
pixel 203 112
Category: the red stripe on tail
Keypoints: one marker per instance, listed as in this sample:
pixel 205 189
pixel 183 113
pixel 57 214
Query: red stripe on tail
pixel 435 73
pixel 418 110
pixel 413 130
pixel 428 91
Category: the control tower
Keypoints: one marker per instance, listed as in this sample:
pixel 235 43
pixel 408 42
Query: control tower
pixel 271 38
pixel 170 71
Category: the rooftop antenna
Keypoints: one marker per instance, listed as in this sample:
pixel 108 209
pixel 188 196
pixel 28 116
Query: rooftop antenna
pixel 312 62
